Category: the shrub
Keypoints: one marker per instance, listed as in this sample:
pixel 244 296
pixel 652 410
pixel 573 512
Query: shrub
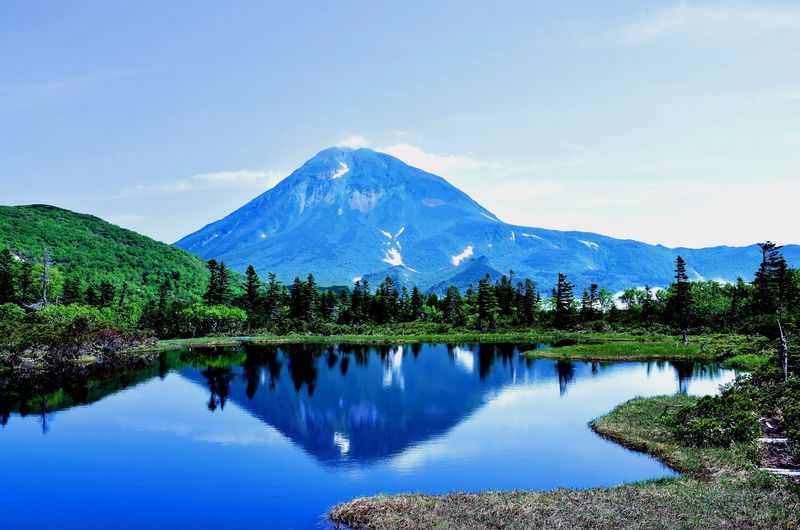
pixel 719 421
pixel 200 320
pixel 11 313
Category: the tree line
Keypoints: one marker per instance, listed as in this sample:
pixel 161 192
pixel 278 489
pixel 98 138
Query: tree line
pixel 233 304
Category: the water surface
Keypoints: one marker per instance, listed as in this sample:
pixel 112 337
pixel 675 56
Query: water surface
pixel 266 436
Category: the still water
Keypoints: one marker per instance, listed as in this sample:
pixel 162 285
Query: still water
pixel 270 437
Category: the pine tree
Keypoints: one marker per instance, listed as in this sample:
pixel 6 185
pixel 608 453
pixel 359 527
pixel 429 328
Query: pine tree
pixel 252 292
pixel 274 299
pixel 297 299
pixel 528 303
pixel 106 294
pixel 7 292
pixel 44 278
pixel 488 307
pixel 219 284
pixel 91 297
pixel 563 296
pixel 415 304
pixel 71 293
pixel 26 290
pixel 682 295
pixel 211 296
pixel 453 307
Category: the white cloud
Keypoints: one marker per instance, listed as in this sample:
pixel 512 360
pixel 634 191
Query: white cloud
pixel 354 142
pixel 732 21
pixel 249 179
pixel 439 164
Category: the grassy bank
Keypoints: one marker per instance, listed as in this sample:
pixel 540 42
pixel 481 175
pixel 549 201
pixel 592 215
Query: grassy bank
pixel 721 488
pixel 401 338
pixel 732 351
pixel 623 351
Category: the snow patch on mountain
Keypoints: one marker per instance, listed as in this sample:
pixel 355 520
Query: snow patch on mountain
pixel 458 258
pixel 343 169
pixel 393 257
pixel 589 244
pixel 530 235
pixel 490 217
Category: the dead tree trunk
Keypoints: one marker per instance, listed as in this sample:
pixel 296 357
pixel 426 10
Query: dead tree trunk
pixel 784 353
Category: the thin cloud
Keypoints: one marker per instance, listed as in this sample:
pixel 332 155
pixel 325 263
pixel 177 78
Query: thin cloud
pixel 730 21
pixel 247 179
pixel 354 142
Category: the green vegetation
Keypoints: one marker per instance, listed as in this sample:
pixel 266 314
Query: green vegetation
pixel 91 252
pixel 739 352
pixel 627 351
pixel 722 488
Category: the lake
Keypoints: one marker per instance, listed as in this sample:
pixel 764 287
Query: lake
pixel 272 436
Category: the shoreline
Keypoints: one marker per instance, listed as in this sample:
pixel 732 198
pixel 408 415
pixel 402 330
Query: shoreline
pixel 718 488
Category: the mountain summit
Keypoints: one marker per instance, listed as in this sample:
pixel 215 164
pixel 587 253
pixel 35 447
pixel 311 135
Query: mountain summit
pixel 347 214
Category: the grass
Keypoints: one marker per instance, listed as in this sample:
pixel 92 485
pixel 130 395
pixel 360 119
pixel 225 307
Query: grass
pixel 732 351
pixel 395 338
pixel 747 362
pixel 721 488
pixel 627 351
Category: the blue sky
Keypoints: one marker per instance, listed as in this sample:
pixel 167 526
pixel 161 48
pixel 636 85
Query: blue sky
pixel 668 122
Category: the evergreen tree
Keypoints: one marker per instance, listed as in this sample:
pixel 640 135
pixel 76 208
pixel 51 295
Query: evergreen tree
pixel 415 304
pixel 453 310
pixel 219 284
pixel 7 292
pixel 91 297
pixel 488 307
pixel 274 300
pixel 775 287
pixel 385 305
pixel 528 303
pixel 563 298
pixel 682 295
pixel 26 285
pixel 71 293
pixel 297 299
pixel 106 294
pixel 586 307
pixel 252 292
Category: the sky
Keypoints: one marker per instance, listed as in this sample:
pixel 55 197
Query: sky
pixel 666 122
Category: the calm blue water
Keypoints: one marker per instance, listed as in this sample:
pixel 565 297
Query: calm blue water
pixel 271 437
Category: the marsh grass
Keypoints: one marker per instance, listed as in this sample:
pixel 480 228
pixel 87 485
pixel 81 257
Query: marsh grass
pixel 721 488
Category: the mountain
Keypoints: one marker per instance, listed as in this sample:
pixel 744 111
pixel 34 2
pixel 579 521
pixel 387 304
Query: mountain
pixel 348 214
pixel 94 250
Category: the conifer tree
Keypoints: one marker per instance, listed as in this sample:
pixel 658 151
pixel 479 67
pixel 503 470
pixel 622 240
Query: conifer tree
pixel 563 297
pixel 26 291
pixel 453 311
pixel 682 295
pixel 106 294
pixel 252 292
pixel 415 304
pixel 488 308
pixel 7 291
pixel 528 303
pixel 71 293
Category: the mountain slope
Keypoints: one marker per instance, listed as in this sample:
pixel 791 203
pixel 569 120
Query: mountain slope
pixel 349 213
pixel 94 250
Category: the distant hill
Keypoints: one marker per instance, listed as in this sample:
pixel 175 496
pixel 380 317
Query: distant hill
pixel 94 250
pixel 348 214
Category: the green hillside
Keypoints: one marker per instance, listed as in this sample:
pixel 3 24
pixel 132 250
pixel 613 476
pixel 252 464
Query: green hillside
pixel 94 250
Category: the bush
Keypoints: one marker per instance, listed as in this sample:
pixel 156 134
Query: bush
pixel 201 320
pixel 11 313
pixel 718 421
